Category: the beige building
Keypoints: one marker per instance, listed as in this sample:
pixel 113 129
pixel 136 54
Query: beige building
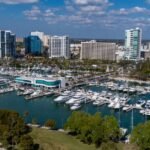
pixel 98 50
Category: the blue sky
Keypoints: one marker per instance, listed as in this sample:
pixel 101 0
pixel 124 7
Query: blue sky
pixel 76 18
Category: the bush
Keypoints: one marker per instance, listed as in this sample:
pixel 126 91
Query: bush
pixel 50 123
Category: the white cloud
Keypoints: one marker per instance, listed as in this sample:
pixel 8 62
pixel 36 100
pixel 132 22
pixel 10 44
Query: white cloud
pixel 18 1
pixel 134 10
pixel 33 14
pixel 95 12
pixel 48 13
pixel 88 2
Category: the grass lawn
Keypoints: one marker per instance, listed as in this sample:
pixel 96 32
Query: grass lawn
pixel 54 140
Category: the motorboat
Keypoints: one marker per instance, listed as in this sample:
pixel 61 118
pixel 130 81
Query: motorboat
pixel 139 104
pixel 75 106
pixel 71 101
pixel 127 107
pixel 61 99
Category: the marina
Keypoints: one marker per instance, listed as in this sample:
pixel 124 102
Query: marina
pixel 88 98
pixel 47 97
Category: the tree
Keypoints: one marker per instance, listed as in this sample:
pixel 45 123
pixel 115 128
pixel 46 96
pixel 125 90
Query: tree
pixel 92 128
pixel 111 128
pixel 26 143
pixel 12 128
pixel 76 121
pixel 50 123
pixel 141 136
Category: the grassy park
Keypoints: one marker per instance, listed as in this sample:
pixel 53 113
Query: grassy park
pixel 54 140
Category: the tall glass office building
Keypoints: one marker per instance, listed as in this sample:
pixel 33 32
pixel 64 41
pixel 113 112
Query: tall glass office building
pixel 33 45
pixel 133 43
pixel 7 44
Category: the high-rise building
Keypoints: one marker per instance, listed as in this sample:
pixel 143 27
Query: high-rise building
pixel 133 43
pixel 98 50
pixel 33 45
pixel 44 38
pixel 59 47
pixel 7 44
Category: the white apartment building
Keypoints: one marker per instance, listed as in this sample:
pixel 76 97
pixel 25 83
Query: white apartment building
pixel 98 50
pixel 59 46
pixel 133 43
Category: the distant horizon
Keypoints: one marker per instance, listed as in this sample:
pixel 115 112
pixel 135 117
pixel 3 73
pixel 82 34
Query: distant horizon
pixel 83 38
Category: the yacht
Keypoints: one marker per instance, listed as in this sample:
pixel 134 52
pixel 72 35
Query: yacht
pixel 76 106
pixel 127 107
pixel 71 101
pixel 66 93
pixel 132 90
pixel 139 104
pixel 96 103
pixel 145 112
pixel 147 105
pixel 2 81
pixel 117 105
pixel 95 96
pixel 113 102
pixel 61 99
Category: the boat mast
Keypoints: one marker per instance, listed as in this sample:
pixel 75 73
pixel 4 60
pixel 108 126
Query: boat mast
pixel 132 123
pixel 119 113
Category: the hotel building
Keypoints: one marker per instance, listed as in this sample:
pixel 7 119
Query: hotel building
pixel 98 50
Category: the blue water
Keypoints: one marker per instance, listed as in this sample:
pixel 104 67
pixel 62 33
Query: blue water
pixel 44 108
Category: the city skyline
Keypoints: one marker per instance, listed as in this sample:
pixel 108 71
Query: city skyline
pixel 105 19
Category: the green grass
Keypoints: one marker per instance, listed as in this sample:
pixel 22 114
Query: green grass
pixel 54 140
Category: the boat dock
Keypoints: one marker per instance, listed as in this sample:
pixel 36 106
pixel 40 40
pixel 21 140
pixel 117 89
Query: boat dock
pixel 7 90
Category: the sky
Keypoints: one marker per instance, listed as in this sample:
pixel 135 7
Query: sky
pixel 103 19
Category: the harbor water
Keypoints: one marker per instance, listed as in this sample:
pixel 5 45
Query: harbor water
pixel 44 108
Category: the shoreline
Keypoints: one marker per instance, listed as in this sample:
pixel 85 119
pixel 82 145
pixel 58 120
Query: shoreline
pixel 129 80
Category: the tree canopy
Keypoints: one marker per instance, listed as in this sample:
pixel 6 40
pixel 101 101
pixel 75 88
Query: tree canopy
pixel 141 136
pixel 93 128
pixel 12 128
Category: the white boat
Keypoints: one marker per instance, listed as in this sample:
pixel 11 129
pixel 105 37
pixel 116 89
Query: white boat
pixel 95 103
pixel 66 93
pixel 75 107
pixel 35 93
pixel 139 104
pixel 132 90
pixel 95 96
pixel 145 112
pixel 60 99
pixel 117 105
pixel 113 102
pixel 123 131
pixel 147 105
pixel 127 107
pixel 71 101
